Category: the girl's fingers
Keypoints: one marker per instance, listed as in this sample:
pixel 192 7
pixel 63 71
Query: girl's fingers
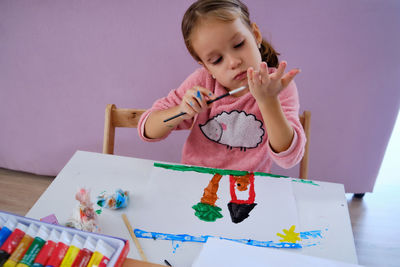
pixel 252 77
pixel 195 99
pixel 199 98
pixel 264 76
pixel 197 105
pixel 288 77
pixel 188 110
pixel 256 78
pixel 202 95
pixel 191 105
pixel 204 91
pixel 280 71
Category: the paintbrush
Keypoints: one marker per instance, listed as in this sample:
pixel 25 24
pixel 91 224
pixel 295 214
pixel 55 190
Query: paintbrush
pixel 211 101
pixel 132 233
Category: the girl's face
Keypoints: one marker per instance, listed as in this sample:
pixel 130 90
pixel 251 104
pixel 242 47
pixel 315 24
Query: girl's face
pixel 227 50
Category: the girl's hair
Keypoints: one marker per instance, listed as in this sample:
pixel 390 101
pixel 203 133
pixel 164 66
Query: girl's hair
pixel 224 10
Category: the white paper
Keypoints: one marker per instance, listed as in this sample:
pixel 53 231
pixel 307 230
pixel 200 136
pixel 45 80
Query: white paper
pixel 217 252
pixel 167 207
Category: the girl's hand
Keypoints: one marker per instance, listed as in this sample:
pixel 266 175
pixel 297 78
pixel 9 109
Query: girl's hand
pixel 195 101
pixel 263 85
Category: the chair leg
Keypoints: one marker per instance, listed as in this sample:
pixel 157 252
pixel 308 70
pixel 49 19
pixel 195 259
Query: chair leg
pixel 109 131
pixel 305 120
pixel 359 195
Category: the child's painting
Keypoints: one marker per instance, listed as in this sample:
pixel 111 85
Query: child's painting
pixel 196 201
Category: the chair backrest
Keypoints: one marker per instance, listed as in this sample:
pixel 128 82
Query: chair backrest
pixel 305 120
pixel 118 117
pixel 128 117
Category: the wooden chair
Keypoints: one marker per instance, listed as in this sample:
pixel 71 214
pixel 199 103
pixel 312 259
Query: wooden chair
pixel 305 120
pixel 124 117
pixel 118 117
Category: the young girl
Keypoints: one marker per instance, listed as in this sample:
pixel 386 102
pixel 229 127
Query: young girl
pixel 245 131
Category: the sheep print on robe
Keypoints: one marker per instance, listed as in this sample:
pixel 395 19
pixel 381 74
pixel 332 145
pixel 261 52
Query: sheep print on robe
pixel 234 129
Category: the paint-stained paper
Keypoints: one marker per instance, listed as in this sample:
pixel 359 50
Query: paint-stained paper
pixel 167 207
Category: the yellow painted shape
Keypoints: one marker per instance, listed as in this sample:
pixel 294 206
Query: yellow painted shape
pixel 290 235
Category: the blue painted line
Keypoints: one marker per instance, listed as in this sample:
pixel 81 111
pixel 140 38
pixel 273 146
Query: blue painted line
pixel 202 239
pixel 311 234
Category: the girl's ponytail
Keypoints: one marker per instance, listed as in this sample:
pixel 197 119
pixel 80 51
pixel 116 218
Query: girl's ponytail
pixel 269 54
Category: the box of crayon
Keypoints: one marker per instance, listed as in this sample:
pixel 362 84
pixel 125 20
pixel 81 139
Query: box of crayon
pixel 29 242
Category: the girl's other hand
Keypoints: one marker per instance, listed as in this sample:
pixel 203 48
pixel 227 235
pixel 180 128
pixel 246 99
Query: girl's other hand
pixel 263 85
pixel 195 101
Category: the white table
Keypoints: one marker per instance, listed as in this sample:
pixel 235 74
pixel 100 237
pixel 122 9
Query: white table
pixel 319 207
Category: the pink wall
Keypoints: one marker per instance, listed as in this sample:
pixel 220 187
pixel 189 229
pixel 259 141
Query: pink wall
pixel 61 62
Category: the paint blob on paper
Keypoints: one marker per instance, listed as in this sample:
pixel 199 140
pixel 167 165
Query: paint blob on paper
pixel 206 209
pixel 290 236
pixel 239 209
pixel 207 212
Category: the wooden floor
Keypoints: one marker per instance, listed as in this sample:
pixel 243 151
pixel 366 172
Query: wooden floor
pixel 20 190
pixel 375 218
